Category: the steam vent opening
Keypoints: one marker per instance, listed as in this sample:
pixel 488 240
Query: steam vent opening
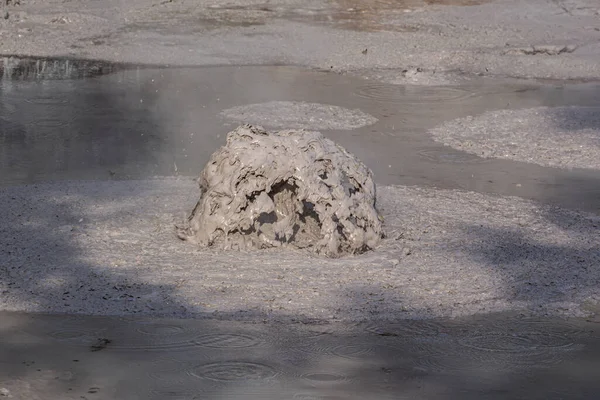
pixel 290 188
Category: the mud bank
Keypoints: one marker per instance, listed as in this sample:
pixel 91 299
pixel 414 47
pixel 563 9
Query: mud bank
pixel 422 42
pixel 110 248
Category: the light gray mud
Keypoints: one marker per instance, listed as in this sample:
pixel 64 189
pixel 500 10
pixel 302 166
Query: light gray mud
pixel 110 248
pixel 421 42
pixel 299 115
pixel 564 137
pixel 88 247
pixel 292 188
pixel 479 252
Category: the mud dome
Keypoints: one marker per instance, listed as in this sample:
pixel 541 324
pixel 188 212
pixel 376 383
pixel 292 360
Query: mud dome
pixel 288 188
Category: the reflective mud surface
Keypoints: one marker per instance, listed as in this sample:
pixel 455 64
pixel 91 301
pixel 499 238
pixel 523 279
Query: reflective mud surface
pixel 496 357
pixel 138 123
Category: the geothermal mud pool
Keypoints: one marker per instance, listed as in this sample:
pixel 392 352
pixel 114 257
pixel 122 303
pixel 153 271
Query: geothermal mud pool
pixel 493 357
pixel 457 243
pixel 107 246
pixel 104 242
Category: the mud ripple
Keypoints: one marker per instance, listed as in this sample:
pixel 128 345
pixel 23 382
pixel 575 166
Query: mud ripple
pixel 234 371
pixel 473 360
pixel 354 351
pixel 155 337
pixel 160 330
pixel 514 343
pixel 227 341
pixel 539 327
pixel 350 350
pixel 408 329
pixel 324 378
pixel 422 95
pixel 47 100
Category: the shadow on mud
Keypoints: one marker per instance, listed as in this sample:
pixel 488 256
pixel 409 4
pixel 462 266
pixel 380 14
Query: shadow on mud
pixel 580 189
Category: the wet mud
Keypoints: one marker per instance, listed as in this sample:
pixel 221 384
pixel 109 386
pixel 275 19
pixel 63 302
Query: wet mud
pixel 142 122
pixel 496 357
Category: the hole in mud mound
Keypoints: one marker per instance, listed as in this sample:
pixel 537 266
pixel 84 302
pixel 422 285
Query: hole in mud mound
pixel 37 68
pixel 290 188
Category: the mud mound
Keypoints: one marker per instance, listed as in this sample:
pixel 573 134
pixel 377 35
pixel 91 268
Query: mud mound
pixel 289 188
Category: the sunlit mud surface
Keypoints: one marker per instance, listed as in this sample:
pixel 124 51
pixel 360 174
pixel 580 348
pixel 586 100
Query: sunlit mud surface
pixel 496 357
pixel 563 137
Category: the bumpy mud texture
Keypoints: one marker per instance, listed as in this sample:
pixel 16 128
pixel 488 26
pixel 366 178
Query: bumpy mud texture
pixel 289 188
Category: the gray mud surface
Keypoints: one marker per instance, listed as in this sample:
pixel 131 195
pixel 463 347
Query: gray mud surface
pixel 111 248
pixel 564 137
pixel 105 358
pixel 410 41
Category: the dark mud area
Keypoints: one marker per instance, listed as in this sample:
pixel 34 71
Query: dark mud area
pixel 497 357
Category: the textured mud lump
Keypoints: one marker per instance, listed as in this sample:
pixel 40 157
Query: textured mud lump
pixel 289 188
